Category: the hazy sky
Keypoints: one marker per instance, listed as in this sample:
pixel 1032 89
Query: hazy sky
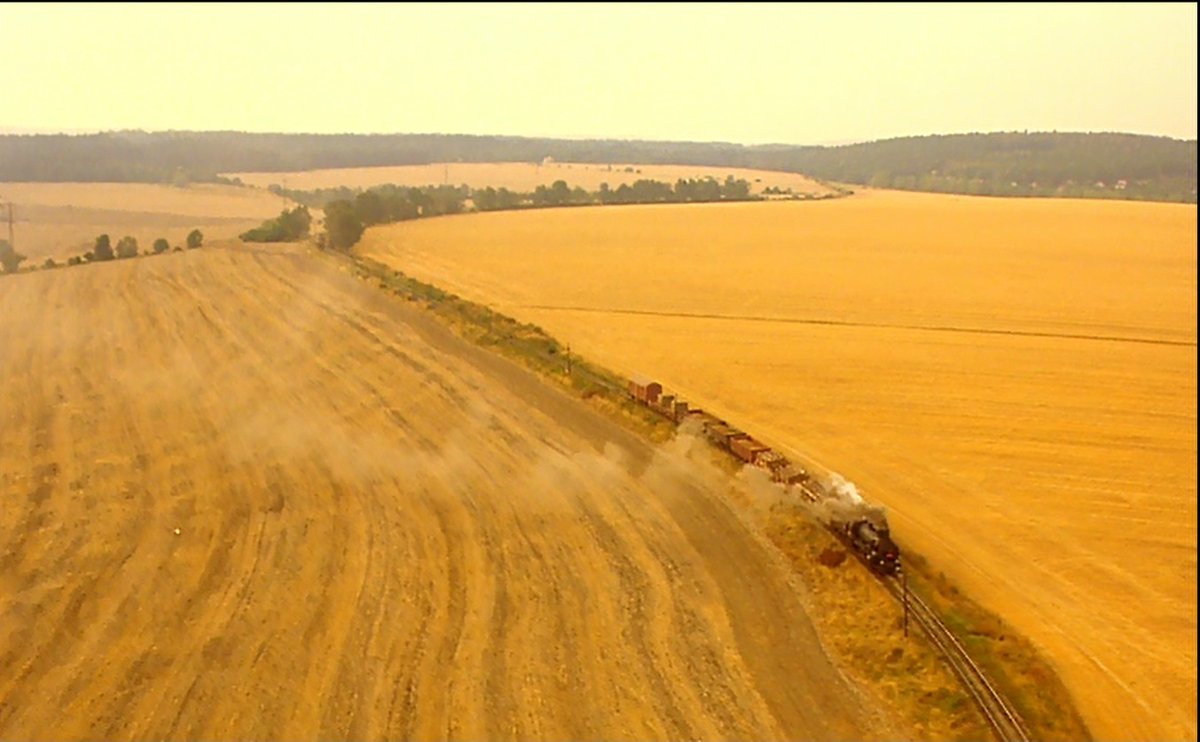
pixel 802 74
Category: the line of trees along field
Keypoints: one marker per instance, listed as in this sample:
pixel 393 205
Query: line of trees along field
pixel 348 213
pixel 1107 165
pixel 102 251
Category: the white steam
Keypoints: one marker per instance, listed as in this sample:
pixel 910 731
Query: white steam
pixel 837 498
pixel 843 489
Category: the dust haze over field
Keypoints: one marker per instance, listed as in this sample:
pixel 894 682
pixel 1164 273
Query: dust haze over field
pixel 247 496
pixel 1014 379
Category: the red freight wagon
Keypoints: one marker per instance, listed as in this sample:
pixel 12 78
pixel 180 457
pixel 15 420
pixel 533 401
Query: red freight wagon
pixel 644 390
pixel 724 435
pixel 747 449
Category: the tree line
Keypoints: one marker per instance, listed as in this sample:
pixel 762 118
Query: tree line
pixel 1106 165
pixel 349 212
pixel 642 191
pixel 102 251
pixel 347 218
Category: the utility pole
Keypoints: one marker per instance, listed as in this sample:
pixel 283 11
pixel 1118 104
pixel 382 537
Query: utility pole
pixel 568 359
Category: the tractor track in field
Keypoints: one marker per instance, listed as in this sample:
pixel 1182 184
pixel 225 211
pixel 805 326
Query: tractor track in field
pixel 383 532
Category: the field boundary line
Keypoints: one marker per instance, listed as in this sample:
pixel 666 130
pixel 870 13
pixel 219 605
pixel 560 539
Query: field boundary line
pixel 876 325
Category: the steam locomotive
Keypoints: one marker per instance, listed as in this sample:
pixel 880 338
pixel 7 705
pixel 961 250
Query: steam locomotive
pixel 874 543
pixel 863 528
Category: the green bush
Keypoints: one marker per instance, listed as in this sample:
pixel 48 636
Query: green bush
pixel 10 259
pixel 289 226
pixel 102 251
pixel 127 247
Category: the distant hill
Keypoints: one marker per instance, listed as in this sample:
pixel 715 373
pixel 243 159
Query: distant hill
pixel 1013 164
pixel 1126 166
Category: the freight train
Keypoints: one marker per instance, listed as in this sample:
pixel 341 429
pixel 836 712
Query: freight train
pixel 863 528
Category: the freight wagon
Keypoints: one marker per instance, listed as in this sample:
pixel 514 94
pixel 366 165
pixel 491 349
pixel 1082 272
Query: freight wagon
pixel 871 540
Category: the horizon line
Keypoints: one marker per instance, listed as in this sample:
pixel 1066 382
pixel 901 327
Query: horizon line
pixel 49 131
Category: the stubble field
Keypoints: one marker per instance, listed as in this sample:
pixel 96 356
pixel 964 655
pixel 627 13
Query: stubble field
pixel 59 220
pixel 247 496
pixel 1014 379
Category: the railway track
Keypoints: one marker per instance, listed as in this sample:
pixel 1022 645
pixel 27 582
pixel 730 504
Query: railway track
pixel 1004 720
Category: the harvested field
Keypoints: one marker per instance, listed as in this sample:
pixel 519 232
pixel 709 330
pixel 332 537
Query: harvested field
pixel 248 496
pixel 58 220
pixel 523 176
pixel 1014 379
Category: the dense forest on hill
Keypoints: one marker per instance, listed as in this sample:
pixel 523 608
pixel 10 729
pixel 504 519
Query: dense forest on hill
pixel 1011 164
pixel 1088 165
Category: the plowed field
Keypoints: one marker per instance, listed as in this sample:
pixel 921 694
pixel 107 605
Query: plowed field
pixel 246 496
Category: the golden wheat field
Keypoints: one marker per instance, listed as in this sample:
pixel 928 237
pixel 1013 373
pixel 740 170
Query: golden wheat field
pixel 523 176
pixel 58 220
pixel 247 496
pixel 1014 379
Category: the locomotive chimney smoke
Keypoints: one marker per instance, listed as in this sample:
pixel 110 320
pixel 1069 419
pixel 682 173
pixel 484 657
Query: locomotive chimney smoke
pixel 834 510
pixel 843 488
pixel 843 504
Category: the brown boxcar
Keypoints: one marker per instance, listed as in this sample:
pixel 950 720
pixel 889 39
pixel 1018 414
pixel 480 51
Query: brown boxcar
pixel 724 435
pixel 747 449
pixel 644 390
